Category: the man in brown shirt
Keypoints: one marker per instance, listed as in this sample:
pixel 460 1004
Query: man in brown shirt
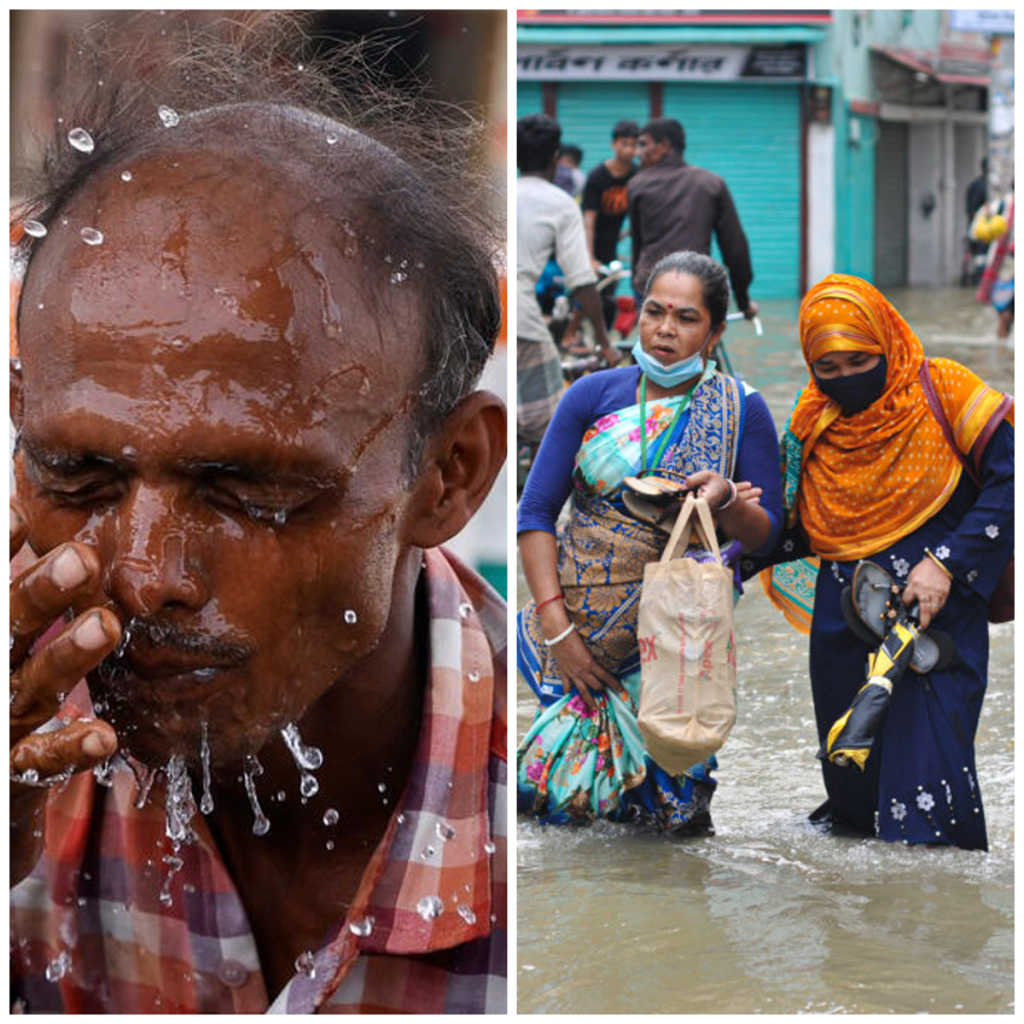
pixel 674 206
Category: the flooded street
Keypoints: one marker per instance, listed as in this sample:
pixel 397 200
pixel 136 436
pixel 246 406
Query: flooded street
pixel 770 915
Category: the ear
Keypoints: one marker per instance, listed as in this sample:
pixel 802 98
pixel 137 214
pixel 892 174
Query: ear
pixel 462 461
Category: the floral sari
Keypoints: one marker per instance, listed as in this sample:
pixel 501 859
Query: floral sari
pixel 575 764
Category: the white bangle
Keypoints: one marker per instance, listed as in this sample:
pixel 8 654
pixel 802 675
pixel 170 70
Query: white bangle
pixel 561 636
pixel 732 496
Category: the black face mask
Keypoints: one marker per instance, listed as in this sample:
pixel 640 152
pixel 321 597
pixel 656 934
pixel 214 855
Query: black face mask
pixel 856 391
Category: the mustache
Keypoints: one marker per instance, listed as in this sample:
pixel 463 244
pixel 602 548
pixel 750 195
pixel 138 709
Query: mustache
pixel 143 633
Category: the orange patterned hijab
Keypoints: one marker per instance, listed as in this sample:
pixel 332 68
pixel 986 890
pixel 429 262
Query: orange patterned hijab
pixel 873 477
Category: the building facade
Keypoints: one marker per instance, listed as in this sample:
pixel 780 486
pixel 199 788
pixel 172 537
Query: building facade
pixel 848 138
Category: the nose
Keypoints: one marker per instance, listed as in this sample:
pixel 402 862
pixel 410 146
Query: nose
pixel 153 567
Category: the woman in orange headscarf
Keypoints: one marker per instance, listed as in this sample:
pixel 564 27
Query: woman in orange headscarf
pixel 872 472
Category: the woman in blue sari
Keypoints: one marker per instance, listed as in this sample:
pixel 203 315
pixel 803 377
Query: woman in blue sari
pixel 675 414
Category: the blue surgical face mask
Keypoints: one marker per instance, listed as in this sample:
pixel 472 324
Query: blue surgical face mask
pixel 677 373
pixel 856 391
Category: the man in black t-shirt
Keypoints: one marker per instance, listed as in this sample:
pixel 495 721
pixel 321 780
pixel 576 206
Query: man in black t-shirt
pixel 604 203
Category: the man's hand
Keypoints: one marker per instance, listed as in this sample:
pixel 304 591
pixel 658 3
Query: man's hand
pixel 41 680
pixel 752 310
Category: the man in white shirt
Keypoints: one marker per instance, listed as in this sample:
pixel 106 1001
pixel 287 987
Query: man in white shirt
pixel 549 225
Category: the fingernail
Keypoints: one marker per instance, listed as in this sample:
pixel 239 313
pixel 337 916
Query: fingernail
pixel 90 635
pixel 68 570
pixel 94 744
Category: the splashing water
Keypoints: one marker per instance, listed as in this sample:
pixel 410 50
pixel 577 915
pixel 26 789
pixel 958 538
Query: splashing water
pixel 174 865
pixel 350 617
pixel 34 228
pixel 309 758
pixel 126 175
pixel 305 963
pixel 144 778
pixel 308 785
pixel 251 771
pixel 331 816
pixel 466 913
pixel 181 806
pixel 168 117
pixel 444 831
pixel 206 800
pixel 91 236
pixel 490 848
pixel 430 907
pixel 59 968
pixel 81 140
pixel 361 928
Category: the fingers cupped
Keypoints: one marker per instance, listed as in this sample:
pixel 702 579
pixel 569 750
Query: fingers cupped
pixel 80 745
pixel 42 681
pixel 45 590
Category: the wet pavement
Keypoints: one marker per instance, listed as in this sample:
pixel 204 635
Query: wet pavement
pixel 769 915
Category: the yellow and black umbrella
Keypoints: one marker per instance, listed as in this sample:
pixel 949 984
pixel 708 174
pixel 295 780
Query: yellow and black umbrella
pixel 873 608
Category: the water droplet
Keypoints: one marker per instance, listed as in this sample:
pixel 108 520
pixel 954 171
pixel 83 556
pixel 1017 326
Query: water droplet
pixel 180 805
pixel 465 610
pixel 126 175
pixel 400 819
pixel 490 848
pixel 103 773
pixel 305 963
pixel 382 787
pixel 331 816
pixel 466 913
pixel 329 845
pixel 350 617
pixel 332 139
pixel 398 277
pixel 35 229
pixel 91 236
pixel 363 928
pixel 280 517
pixel 16 367
pixel 57 969
pixel 206 801
pixel 300 67
pixel 81 140
pixel 427 853
pixel 308 786
pixel 309 758
pixel 430 907
pixel 129 453
pixel 252 769
pixel 474 676
pixel 168 116
pixel 444 831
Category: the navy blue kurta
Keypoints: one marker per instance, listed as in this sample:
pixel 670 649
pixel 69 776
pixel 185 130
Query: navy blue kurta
pixel 919 784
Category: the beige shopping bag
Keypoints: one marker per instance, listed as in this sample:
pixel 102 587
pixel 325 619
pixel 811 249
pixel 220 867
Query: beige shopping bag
pixel 687 649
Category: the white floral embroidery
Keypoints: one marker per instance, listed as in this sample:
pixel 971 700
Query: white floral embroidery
pixel 972 575
pixel 925 801
pixel 899 811
pixel 992 531
pixel 942 552
pixel 900 566
pixel 835 572
pixel 788 545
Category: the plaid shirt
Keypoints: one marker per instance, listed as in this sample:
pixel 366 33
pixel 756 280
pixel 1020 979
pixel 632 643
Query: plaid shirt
pixel 104 925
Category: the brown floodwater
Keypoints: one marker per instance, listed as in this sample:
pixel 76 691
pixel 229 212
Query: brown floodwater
pixel 769 915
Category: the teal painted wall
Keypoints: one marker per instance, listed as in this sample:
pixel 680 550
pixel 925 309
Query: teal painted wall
pixel 855 193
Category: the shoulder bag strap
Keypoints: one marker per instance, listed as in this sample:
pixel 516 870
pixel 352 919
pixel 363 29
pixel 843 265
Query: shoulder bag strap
pixel 939 413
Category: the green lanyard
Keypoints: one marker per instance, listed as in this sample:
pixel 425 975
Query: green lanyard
pixel 663 444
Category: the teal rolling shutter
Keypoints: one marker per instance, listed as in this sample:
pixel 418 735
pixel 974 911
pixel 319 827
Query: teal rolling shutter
pixel 587 112
pixel 529 99
pixel 751 136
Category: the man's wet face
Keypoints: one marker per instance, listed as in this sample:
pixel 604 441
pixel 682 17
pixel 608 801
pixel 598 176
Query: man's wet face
pixel 213 402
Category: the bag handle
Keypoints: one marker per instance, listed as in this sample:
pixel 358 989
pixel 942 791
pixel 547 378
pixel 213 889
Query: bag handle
pixel 685 522
pixel 682 524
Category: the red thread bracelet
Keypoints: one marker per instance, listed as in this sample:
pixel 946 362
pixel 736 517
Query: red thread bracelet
pixel 548 601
